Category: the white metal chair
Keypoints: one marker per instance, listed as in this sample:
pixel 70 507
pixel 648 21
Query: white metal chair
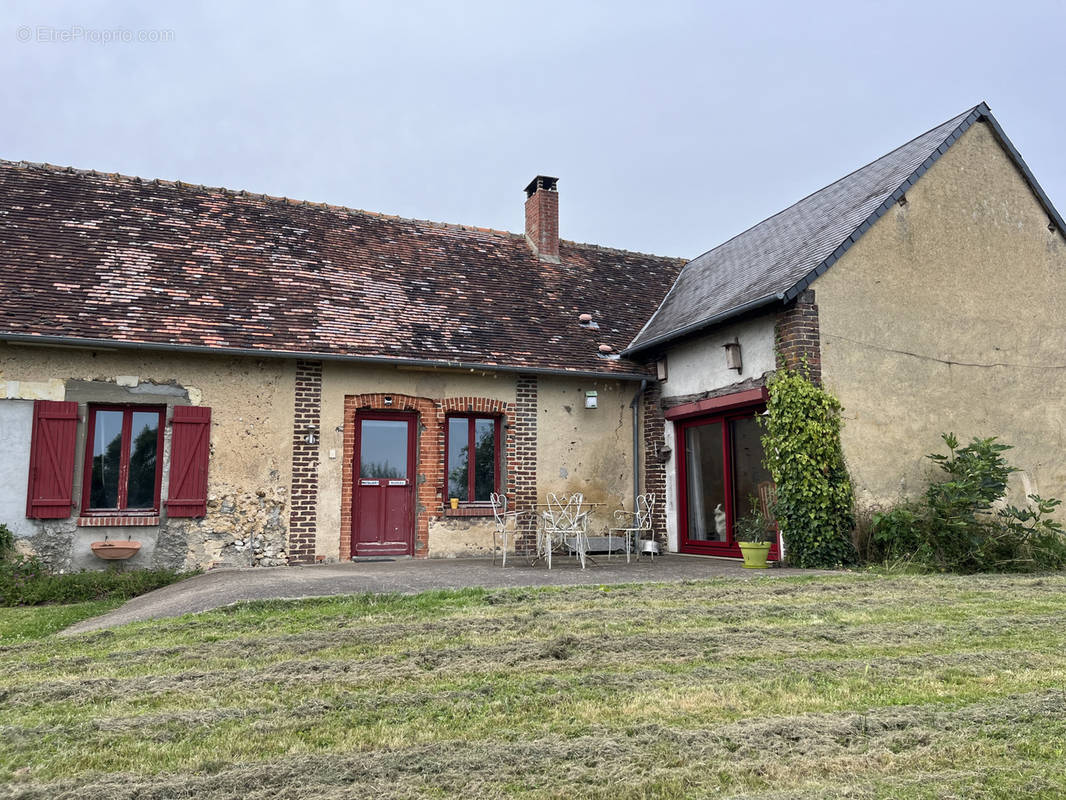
pixel 631 524
pixel 564 523
pixel 507 524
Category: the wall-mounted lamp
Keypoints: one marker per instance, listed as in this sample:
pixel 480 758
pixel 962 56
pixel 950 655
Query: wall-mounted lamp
pixel 388 400
pixel 310 438
pixel 591 400
pixel 732 355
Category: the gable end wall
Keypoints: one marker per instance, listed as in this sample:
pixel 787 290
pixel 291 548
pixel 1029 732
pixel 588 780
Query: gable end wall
pixel 950 315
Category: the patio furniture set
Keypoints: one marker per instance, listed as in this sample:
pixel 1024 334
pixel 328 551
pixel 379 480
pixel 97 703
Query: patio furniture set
pixel 561 526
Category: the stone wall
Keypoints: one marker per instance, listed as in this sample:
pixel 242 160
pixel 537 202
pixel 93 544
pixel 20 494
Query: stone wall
pixel 250 455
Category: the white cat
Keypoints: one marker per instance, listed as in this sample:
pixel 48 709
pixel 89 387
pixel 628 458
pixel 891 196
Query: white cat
pixel 719 521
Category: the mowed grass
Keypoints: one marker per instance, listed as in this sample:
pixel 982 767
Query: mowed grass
pixel 36 622
pixel 820 687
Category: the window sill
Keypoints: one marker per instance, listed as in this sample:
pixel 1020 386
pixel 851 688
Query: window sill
pixel 469 511
pixel 117 521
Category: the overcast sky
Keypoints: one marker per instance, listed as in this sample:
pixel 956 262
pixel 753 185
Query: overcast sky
pixel 671 126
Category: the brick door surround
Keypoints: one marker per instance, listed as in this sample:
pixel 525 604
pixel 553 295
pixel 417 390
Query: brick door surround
pixel 429 454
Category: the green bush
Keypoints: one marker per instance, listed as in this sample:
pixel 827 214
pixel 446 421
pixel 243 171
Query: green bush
pixel 7 542
pixel 962 524
pixel 896 534
pixel 24 581
pixel 804 457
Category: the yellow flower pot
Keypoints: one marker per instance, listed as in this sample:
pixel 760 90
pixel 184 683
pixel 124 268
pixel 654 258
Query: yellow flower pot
pixel 755 554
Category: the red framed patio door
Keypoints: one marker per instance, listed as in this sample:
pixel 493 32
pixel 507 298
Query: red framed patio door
pixel 383 512
pixel 720 467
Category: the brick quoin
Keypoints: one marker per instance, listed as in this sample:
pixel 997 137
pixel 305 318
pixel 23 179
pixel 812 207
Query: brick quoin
pixel 525 486
pixel 796 336
pixel 429 452
pixel 303 496
pixel 654 467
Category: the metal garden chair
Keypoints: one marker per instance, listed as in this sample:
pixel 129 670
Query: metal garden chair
pixel 507 524
pixel 564 523
pixel 631 524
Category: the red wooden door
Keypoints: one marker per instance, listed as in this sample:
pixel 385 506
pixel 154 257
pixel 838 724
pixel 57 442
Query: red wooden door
pixel 383 518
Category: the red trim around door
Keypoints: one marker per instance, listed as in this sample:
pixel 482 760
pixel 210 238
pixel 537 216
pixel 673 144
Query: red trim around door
pixel 751 397
pixel 729 548
pixel 406 547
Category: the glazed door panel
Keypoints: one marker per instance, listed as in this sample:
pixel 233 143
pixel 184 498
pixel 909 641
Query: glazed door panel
pixel 383 520
pixel 720 469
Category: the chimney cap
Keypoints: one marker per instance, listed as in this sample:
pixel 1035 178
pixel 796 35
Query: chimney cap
pixel 541 183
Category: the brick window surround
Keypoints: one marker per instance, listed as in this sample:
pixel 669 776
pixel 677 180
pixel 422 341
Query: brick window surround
pixel 430 455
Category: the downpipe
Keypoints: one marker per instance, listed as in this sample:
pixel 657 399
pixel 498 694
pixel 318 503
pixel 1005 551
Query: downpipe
pixel 635 408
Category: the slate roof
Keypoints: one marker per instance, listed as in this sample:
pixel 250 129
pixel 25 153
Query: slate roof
pixel 781 256
pixel 110 259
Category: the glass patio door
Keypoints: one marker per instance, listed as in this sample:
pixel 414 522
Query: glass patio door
pixel 720 469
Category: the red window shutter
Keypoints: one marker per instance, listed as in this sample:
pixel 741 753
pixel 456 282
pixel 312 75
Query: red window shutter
pixel 189 450
pixel 51 485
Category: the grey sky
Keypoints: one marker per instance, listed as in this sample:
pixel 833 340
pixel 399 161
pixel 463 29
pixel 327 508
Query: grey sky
pixel 671 126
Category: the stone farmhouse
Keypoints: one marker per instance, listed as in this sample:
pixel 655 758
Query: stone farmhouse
pixel 232 378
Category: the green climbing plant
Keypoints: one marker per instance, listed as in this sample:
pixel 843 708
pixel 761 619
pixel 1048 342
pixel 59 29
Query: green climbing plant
pixel 801 440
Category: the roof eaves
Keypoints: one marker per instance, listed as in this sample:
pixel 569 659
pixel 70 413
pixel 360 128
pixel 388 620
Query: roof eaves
pixel 118 344
pixel 709 322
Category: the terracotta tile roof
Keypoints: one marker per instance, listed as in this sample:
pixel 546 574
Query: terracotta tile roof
pixel 85 255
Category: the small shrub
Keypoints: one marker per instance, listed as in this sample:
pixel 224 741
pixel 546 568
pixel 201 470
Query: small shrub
pixel 24 581
pixel 754 527
pixel 896 533
pixel 7 542
pixel 960 527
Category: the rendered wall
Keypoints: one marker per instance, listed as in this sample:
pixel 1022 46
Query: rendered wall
pixel 950 315
pixel 448 537
pixel 578 449
pixel 16 421
pixel 698 367
pixel 586 450
pixel 249 472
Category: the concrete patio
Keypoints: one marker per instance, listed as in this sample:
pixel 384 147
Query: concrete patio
pixel 224 587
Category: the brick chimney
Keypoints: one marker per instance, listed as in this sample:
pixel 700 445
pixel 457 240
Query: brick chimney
pixel 542 217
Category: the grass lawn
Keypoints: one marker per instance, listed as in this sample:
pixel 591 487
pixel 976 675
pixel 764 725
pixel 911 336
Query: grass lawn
pixel 838 686
pixel 36 622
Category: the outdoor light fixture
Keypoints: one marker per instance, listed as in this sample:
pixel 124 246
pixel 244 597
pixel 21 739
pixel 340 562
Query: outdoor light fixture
pixel 732 355
pixel 388 400
pixel 590 400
